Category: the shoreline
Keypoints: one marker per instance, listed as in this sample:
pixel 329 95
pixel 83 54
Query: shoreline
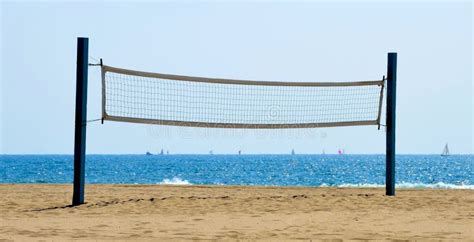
pixel 399 186
pixel 138 211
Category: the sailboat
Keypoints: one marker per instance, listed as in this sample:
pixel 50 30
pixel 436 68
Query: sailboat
pixel 445 150
pixel 293 152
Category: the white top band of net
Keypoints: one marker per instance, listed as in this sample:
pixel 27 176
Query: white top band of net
pixel 153 98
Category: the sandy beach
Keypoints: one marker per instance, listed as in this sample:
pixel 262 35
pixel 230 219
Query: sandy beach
pixel 38 211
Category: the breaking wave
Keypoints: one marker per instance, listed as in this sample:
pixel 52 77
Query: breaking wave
pixel 175 181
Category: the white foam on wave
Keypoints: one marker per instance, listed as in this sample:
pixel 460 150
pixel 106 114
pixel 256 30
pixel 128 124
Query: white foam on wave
pixel 175 181
pixel 438 185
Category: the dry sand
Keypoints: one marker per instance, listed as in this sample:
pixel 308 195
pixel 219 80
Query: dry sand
pixel 33 212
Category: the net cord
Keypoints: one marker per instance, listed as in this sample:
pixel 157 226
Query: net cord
pixel 236 82
pixel 237 125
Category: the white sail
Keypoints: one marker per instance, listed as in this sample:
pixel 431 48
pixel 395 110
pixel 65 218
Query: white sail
pixel 445 150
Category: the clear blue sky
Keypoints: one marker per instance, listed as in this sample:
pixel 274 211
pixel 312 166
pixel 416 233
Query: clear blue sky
pixel 268 41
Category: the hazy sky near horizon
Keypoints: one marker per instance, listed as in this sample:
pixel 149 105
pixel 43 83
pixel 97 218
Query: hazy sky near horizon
pixel 285 41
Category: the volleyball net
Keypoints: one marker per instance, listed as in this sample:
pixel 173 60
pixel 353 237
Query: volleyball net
pixel 164 99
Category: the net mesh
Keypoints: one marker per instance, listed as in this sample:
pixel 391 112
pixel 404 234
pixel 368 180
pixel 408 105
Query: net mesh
pixel 178 100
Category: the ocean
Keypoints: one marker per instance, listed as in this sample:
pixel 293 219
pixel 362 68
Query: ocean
pixel 412 171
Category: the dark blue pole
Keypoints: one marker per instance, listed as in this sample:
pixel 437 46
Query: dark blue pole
pixel 81 120
pixel 391 107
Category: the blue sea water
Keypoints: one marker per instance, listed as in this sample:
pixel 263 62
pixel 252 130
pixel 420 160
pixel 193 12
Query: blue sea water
pixel 412 171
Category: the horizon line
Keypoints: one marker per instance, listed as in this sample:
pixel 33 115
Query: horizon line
pixel 236 154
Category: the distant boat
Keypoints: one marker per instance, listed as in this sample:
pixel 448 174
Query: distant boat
pixel 324 152
pixel 445 150
pixel 211 152
pixel 148 153
pixel 341 152
pixel 293 152
pixel 240 152
pixel 162 152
